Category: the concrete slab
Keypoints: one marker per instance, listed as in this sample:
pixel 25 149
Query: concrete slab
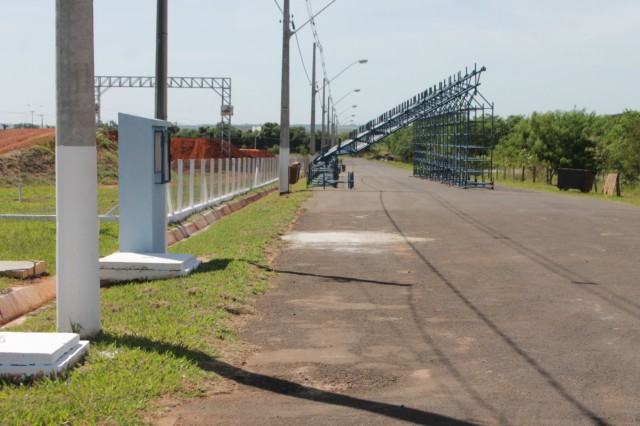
pixel 38 354
pixel 146 266
pixel 21 268
pixel 34 348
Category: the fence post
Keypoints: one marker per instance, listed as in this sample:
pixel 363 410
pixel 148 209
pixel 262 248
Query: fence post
pixel 170 210
pixel 203 181
pixel 212 171
pixel 192 171
pixel 219 177
pixel 247 180
pixel 227 175
pixel 180 185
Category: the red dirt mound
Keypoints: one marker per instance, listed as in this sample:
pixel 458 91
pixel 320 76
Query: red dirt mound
pixel 13 139
pixel 196 148
pixel 256 153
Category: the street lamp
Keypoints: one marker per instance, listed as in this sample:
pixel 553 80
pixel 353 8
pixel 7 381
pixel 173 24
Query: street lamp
pixel 347 94
pixel 331 104
pixel 347 109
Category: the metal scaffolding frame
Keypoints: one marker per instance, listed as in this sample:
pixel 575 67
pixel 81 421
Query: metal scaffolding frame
pixel 452 138
pixel 220 85
pixel 454 146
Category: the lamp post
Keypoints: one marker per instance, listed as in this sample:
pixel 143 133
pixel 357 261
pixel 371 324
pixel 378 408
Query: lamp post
pixel 284 102
pixel 346 94
pixel 312 137
pixel 284 98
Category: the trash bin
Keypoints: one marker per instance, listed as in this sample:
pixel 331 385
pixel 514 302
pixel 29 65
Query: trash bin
pixel 294 173
pixel 576 179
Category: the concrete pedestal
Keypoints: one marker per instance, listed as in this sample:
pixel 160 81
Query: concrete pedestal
pixel 146 266
pixel 38 354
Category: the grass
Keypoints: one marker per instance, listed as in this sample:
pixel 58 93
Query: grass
pixel 36 240
pixel 161 337
pixel 41 199
pixel 630 194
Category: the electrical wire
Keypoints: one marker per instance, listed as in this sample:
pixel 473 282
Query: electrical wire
pixel 276 2
pixel 304 66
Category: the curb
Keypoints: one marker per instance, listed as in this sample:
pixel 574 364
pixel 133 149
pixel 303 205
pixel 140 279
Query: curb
pixel 23 300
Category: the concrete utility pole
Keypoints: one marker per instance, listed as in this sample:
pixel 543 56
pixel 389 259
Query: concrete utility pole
pixel 77 225
pixel 161 60
pixel 284 102
pixel 324 129
pixel 312 137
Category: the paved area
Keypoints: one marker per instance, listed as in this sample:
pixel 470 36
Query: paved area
pixel 406 300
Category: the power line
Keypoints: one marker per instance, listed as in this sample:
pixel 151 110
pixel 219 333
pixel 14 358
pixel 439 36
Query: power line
pixel 276 2
pixel 319 46
pixel 301 57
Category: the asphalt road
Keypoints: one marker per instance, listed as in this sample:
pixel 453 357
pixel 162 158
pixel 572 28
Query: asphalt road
pixel 406 300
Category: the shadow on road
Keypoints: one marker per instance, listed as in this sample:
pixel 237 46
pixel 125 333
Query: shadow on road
pixel 280 386
pixel 331 277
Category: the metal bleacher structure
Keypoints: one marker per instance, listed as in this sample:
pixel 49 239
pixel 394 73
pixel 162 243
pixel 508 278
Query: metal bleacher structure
pixel 452 135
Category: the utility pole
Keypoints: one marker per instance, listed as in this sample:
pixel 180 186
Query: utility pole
pixel 312 138
pixel 161 60
pixel 324 130
pixel 284 102
pixel 77 225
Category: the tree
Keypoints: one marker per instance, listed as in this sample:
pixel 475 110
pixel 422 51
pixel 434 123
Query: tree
pixel 400 144
pixel 619 144
pixel 174 129
pixel 299 139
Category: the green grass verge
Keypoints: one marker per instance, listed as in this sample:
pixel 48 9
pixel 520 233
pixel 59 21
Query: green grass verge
pixel 161 337
pixel 36 240
pixel 42 199
pixel 630 194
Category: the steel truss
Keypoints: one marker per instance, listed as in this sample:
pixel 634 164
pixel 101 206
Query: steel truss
pixel 452 135
pixel 220 85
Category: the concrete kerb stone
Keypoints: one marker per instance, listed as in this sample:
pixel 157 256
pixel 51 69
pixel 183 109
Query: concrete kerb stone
pixel 26 299
pixel 206 219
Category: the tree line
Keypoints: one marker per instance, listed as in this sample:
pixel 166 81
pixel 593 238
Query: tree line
pixel 268 137
pixel 556 139
pixel 542 141
pixel 570 139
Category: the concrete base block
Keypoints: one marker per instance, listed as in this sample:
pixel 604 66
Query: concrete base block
pixel 146 266
pixel 26 355
pixel 22 269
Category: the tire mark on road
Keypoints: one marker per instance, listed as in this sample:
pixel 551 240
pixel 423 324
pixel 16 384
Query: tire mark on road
pixel 557 386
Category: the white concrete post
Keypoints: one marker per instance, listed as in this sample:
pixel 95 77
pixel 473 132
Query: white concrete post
pixel 203 181
pixel 219 177
pixel 212 170
pixel 77 224
pixel 180 185
pixel 226 175
pixel 192 171
pixel 234 185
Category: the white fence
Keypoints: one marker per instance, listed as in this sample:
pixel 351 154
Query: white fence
pixel 199 184
pixel 206 183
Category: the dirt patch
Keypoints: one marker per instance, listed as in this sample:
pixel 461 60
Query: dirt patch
pixel 14 139
pixel 197 148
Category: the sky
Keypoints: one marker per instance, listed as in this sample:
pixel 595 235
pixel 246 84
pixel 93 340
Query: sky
pixel 540 55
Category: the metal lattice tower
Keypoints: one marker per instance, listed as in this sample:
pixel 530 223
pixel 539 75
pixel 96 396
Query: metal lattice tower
pixel 220 85
pixel 452 135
